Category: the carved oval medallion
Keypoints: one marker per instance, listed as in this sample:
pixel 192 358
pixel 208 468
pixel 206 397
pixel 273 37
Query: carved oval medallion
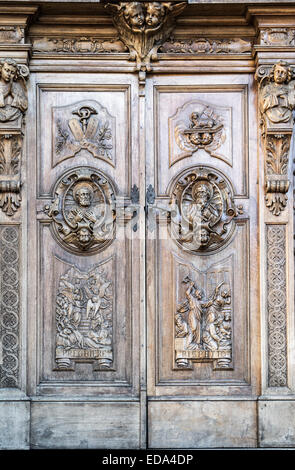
pixel 83 210
pixel 202 210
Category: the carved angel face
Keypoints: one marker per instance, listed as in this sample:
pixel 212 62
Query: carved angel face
pixel 280 74
pixel 84 236
pixel 8 72
pixel 154 14
pixel 134 15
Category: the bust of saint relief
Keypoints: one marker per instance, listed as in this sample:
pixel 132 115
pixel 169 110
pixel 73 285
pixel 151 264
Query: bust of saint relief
pixel 13 96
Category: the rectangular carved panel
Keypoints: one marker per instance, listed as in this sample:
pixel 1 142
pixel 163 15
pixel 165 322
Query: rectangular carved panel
pixel 201 246
pixel 276 305
pixel 10 306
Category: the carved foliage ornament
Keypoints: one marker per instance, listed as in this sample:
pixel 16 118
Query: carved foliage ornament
pixel 13 105
pixel 144 26
pixel 276 103
pixel 83 210
pixel 84 318
pixel 203 323
pixel 202 210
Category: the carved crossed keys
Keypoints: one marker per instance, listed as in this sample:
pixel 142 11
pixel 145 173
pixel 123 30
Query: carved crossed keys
pixel 276 103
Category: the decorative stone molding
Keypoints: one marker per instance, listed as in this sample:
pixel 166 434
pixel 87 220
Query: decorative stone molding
pixel 206 46
pixel 81 45
pixel 144 26
pixel 13 105
pixel 12 34
pixel 276 102
pixel 277 36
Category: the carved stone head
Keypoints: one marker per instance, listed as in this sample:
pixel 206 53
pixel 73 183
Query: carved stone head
pixel 83 194
pixel 9 70
pixel 201 193
pixel 134 14
pixel 155 13
pixel 280 73
pixel 84 236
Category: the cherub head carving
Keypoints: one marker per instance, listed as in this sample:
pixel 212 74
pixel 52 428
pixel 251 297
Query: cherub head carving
pixel 134 14
pixel 281 73
pixel 84 236
pixel 155 13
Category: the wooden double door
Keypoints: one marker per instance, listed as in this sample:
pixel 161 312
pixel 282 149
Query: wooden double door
pixel 142 221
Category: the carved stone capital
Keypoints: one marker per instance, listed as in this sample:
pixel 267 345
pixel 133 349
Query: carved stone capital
pixel 144 27
pixel 276 88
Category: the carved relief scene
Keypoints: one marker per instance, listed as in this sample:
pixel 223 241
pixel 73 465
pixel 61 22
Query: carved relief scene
pixel 203 319
pixel 84 316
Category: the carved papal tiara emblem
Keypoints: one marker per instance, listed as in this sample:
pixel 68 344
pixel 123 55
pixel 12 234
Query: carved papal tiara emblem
pixel 83 210
pixel 202 210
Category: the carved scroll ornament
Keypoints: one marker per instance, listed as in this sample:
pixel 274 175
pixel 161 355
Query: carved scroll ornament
pixel 202 210
pixel 203 326
pixel 144 26
pixel 84 319
pixel 276 103
pixel 13 105
pixel 83 210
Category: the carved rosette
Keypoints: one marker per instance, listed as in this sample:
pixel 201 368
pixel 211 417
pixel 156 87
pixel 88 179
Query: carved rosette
pixel 203 317
pixel 13 105
pixel 202 210
pixel 144 26
pixel 276 103
pixel 84 318
pixel 83 210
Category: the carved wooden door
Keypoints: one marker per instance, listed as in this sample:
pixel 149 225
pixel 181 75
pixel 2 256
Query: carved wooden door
pixel 202 260
pixel 112 267
pixel 84 261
